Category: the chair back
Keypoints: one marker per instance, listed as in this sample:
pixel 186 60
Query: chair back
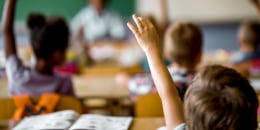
pixel 149 105
pixel 7 106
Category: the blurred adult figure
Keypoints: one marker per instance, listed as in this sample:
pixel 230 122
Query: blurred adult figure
pixel 96 23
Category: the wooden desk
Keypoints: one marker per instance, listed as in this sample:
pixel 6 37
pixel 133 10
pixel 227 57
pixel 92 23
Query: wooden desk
pixel 87 87
pixel 98 86
pixel 3 88
pixel 100 92
pixel 137 124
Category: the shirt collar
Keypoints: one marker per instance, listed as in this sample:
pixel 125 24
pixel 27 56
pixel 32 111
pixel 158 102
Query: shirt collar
pixel 93 9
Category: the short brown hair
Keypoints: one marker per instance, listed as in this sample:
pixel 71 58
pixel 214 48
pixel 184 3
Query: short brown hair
pixel 249 33
pixel 183 43
pixel 220 99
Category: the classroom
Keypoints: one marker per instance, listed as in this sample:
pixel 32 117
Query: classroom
pixel 129 64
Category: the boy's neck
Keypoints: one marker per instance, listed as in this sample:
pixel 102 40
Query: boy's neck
pixel 98 10
pixel 245 48
pixel 43 67
pixel 177 67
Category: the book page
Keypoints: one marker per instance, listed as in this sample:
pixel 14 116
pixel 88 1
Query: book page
pixel 57 120
pixel 100 122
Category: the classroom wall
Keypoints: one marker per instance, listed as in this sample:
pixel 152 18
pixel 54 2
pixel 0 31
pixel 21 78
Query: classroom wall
pixel 218 34
pixel 62 7
pixel 218 19
pixel 202 11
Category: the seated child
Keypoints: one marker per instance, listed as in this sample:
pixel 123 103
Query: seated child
pixel 49 40
pixel 183 47
pixel 219 98
pixel 247 59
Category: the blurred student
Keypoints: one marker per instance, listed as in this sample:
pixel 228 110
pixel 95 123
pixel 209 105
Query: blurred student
pixel 219 98
pixel 249 54
pixel 49 40
pixel 95 22
pixel 247 59
pixel 183 48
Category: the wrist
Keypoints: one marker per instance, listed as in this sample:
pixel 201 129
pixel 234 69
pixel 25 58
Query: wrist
pixel 152 49
pixel 153 53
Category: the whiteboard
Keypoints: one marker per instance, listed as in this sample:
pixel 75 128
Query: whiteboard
pixel 201 10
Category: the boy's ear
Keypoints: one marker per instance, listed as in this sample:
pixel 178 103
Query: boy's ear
pixel 240 40
pixel 199 57
pixel 198 64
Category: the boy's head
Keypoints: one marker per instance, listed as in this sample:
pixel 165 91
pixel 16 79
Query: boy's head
pixel 220 99
pixel 248 35
pixel 49 38
pixel 98 4
pixel 183 44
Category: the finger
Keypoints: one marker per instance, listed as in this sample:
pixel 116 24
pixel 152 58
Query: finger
pixel 138 22
pixel 141 19
pixel 148 23
pixel 133 29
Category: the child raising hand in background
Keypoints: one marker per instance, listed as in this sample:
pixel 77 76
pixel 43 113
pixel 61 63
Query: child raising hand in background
pixel 49 40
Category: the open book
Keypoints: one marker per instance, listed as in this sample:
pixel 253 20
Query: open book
pixel 70 120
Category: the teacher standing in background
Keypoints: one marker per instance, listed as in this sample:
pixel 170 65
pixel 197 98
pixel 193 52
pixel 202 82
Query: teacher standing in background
pixel 95 23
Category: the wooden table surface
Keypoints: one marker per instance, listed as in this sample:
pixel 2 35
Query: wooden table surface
pixel 137 124
pixel 98 86
pixel 103 86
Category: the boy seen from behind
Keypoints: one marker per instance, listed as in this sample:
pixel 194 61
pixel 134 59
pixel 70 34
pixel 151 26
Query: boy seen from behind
pixel 183 47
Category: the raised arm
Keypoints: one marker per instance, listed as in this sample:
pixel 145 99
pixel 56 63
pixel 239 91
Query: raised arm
pixel 148 40
pixel 7 25
pixel 256 5
pixel 164 19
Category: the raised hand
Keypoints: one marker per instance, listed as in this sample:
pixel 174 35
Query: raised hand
pixel 145 33
pixel 148 40
pixel 8 27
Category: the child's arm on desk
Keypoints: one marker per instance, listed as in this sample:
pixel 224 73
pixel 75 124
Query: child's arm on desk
pixel 7 25
pixel 148 40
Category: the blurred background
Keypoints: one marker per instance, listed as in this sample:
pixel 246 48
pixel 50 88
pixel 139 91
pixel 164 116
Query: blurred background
pixel 218 19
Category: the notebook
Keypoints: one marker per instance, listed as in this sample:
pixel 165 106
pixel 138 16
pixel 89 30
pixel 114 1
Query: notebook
pixel 70 120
